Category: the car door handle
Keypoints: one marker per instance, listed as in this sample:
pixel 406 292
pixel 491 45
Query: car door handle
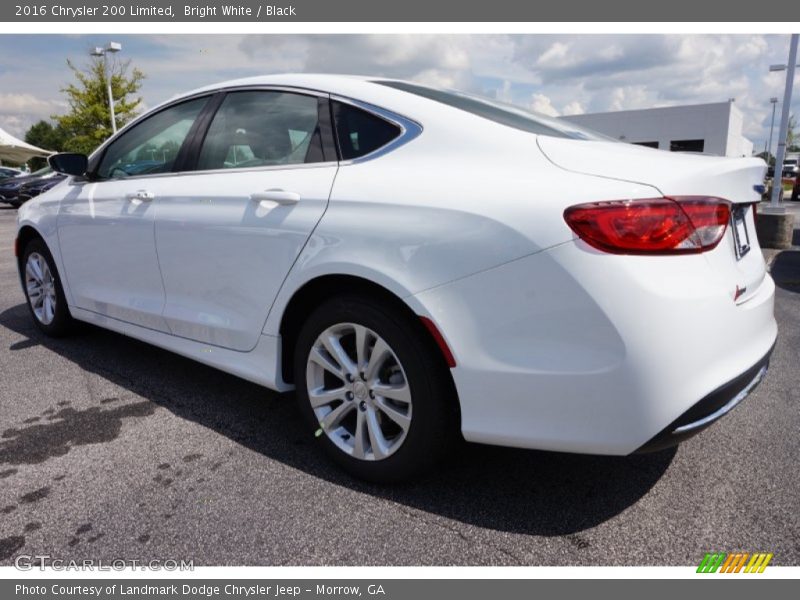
pixel 279 196
pixel 142 195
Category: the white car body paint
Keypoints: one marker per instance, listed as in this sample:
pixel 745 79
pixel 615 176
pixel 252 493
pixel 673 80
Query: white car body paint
pixel 558 346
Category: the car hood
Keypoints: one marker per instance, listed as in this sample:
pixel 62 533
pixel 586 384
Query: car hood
pixel 673 173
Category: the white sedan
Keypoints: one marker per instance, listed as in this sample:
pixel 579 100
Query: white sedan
pixel 419 264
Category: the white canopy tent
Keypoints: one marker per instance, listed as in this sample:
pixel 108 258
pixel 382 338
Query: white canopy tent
pixel 17 151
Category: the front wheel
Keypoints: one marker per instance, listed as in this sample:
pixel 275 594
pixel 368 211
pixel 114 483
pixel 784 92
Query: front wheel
pixel 43 290
pixel 374 391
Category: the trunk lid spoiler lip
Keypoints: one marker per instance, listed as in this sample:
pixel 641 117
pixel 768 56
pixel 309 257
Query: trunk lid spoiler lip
pixel 737 180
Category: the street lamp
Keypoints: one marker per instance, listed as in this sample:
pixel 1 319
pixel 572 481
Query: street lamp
pixel 774 102
pixel 112 47
pixel 784 128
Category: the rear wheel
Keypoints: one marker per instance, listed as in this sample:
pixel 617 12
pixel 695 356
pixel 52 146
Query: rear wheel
pixel 372 388
pixel 43 290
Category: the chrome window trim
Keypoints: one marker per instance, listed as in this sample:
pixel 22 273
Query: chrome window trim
pixel 326 164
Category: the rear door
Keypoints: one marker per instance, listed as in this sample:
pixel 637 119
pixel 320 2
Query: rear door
pixel 228 233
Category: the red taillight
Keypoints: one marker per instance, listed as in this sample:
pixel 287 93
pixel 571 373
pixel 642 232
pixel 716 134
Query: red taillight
pixel 674 225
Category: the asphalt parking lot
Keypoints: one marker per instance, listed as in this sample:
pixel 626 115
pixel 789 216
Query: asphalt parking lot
pixel 110 448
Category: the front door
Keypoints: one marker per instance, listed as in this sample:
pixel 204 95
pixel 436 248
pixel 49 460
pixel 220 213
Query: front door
pixel 106 225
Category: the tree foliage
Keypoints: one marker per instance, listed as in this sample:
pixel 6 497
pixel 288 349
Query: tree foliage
pixel 88 122
pixel 767 157
pixel 46 136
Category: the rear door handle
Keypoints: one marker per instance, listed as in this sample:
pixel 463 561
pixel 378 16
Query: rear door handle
pixel 142 195
pixel 279 196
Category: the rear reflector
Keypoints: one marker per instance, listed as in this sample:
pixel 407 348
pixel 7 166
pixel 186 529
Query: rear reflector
pixel 439 339
pixel 674 225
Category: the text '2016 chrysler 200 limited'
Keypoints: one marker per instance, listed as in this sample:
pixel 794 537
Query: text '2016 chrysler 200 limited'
pixel 418 264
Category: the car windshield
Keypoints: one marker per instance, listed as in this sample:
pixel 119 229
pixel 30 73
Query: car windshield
pixel 40 172
pixel 501 112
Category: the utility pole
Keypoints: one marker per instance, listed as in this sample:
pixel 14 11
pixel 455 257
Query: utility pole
pixel 783 131
pixel 112 47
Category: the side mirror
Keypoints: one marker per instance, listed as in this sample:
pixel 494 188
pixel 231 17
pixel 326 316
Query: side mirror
pixel 69 163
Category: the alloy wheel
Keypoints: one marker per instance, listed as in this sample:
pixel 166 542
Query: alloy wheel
pixel 358 391
pixel 41 287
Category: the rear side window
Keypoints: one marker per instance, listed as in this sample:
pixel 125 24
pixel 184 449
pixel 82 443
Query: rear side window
pixel 360 133
pixel 262 128
pixel 500 112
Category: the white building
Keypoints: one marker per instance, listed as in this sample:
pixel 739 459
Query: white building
pixel 708 128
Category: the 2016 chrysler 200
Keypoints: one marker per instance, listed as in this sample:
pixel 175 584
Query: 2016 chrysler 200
pixel 417 263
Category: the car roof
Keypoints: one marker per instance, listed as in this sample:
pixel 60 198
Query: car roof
pixel 324 82
pixel 356 87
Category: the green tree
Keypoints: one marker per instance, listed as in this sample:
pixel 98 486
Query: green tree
pixel 767 157
pixel 88 122
pixel 44 135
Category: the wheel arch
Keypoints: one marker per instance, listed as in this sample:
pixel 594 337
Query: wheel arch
pixel 25 234
pixel 320 289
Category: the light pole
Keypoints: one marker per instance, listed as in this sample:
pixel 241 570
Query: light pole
pixel 112 47
pixel 784 128
pixel 774 102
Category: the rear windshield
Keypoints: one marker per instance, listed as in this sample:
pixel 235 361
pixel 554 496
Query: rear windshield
pixel 500 112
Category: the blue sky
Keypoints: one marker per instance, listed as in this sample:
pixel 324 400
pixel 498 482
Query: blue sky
pixel 554 74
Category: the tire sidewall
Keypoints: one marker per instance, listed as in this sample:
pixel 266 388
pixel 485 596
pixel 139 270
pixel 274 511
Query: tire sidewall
pixel 62 320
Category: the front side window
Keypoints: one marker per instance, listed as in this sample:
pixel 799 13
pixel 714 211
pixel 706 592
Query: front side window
pixel 152 145
pixel 359 132
pixel 262 128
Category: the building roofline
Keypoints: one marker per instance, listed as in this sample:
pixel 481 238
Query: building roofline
pixel 654 108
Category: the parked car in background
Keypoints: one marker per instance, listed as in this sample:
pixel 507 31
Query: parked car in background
pixel 33 188
pixel 418 264
pixel 10 188
pixel 8 172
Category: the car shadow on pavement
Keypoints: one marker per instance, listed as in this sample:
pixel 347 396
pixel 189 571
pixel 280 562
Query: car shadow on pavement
pixel 520 491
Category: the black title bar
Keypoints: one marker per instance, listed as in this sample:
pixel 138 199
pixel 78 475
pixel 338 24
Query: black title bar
pixel 407 10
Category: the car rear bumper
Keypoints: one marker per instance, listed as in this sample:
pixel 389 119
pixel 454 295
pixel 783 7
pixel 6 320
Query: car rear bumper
pixel 574 350
pixel 710 409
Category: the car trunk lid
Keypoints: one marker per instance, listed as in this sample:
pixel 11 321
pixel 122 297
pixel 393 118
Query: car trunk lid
pixel 737 261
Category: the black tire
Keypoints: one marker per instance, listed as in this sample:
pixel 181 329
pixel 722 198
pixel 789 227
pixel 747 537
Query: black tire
pixel 62 323
pixel 434 425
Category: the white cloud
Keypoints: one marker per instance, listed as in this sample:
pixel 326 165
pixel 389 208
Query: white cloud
pixel 18 111
pixel 554 57
pixel 573 108
pixel 549 73
pixel 23 103
pixel 543 105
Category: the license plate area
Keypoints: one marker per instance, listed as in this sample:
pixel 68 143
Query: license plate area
pixel 741 236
